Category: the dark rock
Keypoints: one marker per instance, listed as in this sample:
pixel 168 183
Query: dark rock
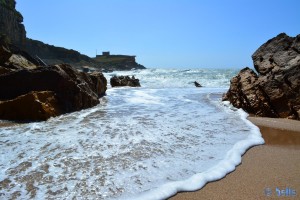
pixel 275 91
pixel 71 87
pixel 31 106
pixel 53 55
pixel 73 90
pixel 118 62
pixel 99 83
pixel 44 91
pixel 12 58
pixel 118 81
pixel 5 54
pixel 197 84
pixel 4 70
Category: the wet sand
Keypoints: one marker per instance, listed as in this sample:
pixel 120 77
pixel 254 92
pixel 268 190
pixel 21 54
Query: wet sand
pixel 265 170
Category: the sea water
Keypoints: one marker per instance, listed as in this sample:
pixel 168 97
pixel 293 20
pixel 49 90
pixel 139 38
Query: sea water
pixel 138 143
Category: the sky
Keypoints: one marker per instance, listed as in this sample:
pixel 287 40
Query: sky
pixel 163 33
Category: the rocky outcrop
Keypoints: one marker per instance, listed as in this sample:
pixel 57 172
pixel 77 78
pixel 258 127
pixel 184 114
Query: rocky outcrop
pixel 11 23
pixel 52 55
pixel 98 84
pixel 119 81
pixel 56 55
pixel 275 90
pixel 37 93
pixel 31 106
pixel 74 90
pixel 118 62
pixel 197 84
pixel 277 54
pixel 12 58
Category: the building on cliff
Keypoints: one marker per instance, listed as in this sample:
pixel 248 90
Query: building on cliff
pixel 105 53
pixel 106 56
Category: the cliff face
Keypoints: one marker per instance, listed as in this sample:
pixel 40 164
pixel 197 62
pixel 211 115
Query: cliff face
pixel 118 62
pixel 11 23
pixel 52 55
pixel 55 55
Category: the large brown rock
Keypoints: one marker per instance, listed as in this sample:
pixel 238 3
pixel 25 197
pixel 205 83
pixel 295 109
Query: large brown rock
pixel 73 88
pixel 20 75
pixel 31 106
pixel 275 91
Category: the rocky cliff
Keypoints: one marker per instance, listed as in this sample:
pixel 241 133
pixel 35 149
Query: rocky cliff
pixel 11 26
pixel 11 23
pixel 275 90
pixel 118 62
pixel 52 55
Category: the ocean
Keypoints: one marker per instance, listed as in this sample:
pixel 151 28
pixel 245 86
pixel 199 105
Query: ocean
pixel 138 143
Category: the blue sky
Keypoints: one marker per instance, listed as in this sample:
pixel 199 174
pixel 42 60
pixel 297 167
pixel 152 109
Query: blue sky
pixel 163 33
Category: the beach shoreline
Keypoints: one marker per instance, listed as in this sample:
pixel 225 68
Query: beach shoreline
pixel 267 171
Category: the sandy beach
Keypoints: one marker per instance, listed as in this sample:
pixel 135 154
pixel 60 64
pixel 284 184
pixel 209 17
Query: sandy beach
pixel 269 171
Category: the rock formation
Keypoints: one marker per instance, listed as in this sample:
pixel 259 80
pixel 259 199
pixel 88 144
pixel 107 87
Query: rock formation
pixel 275 90
pixel 31 92
pixel 118 62
pixel 52 55
pixel 119 81
pixel 12 58
pixel 197 84
pixel 11 23
pixel 31 106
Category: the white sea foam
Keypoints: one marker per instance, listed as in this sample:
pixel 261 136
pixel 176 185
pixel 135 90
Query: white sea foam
pixel 199 180
pixel 138 143
pixel 144 97
pixel 174 78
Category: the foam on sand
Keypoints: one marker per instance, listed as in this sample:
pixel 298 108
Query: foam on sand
pixel 219 171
